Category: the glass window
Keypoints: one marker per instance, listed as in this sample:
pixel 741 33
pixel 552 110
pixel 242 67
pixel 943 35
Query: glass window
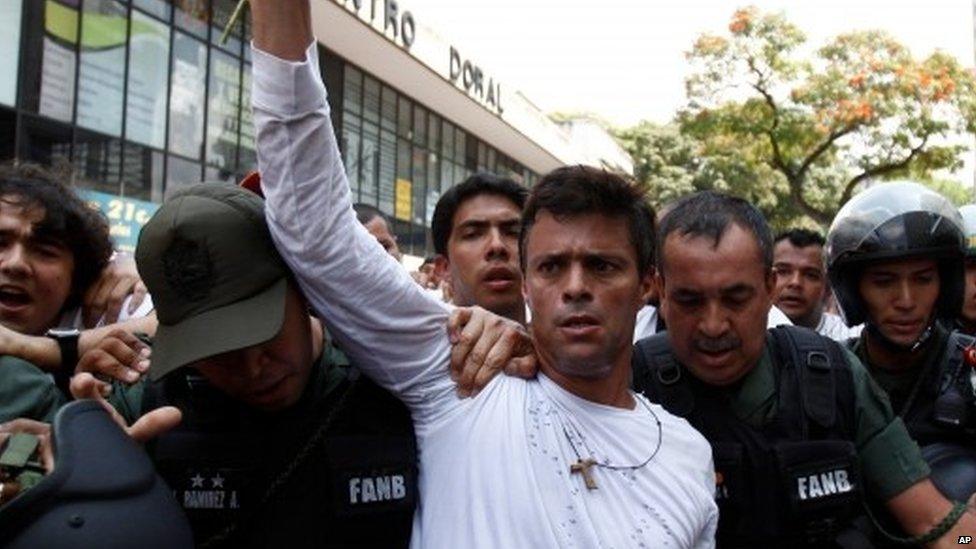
pixel 460 173
pixel 460 140
pixel 404 118
pixel 159 8
pixel 471 153
pixel 419 125
pixel 181 173
pixel 433 185
pixel 191 15
pixel 44 141
pixel 9 50
pixel 388 109
pixel 97 159
pixel 490 164
pixel 371 100
pixel 447 174
pixel 101 78
pixel 352 93
pixel 8 127
pixel 224 106
pixel 481 156
pixel 447 140
pixel 404 181
pixel 419 198
pixel 388 171
pixel 368 188
pixel 145 114
pixel 212 174
pixel 434 132
pixel 142 173
pixel 186 96
pixel 351 141
pixel 58 61
pixel 222 10
pixel 248 159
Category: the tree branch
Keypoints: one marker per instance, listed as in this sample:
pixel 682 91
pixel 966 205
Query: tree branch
pixel 822 148
pixel 881 170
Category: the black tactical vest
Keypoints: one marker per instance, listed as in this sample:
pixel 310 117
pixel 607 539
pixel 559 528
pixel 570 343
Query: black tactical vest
pixel 338 469
pixel 941 407
pixel 794 481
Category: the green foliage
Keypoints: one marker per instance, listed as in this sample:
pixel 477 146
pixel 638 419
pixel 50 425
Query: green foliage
pixel 798 135
pixel 953 190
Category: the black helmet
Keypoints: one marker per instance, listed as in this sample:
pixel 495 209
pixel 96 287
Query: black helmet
pixel 968 213
pixel 891 221
pixel 103 492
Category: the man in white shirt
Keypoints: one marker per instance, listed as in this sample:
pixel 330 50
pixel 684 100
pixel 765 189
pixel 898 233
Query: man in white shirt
pixel 801 284
pixel 572 458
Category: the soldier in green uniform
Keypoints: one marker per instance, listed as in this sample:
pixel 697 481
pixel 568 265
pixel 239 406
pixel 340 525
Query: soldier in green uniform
pixel 278 446
pixel 896 256
pixel 800 433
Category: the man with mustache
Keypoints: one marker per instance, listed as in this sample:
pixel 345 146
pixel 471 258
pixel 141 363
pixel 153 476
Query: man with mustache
pixel 801 284
pixel 799 431
pixel 565 459
pixel 475 230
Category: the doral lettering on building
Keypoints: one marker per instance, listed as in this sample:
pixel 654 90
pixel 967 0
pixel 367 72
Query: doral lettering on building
pixel 386 17
pixel 469 77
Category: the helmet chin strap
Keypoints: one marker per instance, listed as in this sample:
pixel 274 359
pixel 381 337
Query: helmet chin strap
pixel 894 347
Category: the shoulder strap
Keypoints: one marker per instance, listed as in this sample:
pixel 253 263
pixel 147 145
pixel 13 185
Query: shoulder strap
pixel 657 375
pixel 954 360
pixel 814 359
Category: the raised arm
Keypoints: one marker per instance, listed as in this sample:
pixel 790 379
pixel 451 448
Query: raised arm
pixel 380 317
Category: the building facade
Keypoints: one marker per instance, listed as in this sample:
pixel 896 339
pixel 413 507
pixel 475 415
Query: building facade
pixel 140 97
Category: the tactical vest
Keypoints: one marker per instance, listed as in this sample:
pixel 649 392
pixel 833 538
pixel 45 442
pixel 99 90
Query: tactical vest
pixel 336 470
pixel 942 405
pixel 794 481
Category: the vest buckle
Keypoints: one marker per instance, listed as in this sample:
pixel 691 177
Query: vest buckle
pixel 669 373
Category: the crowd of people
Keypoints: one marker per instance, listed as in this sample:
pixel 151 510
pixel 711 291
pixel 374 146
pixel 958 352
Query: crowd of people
pixel 568 370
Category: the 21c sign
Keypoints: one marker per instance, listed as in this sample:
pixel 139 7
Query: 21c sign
pixel 126 216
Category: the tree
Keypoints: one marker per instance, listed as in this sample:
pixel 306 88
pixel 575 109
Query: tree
pixel 668 163
pixel 807 132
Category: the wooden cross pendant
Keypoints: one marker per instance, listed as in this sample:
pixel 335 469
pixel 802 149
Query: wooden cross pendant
pixel 583 466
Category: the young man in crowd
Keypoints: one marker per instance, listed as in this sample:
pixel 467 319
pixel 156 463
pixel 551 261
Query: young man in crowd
pixel 378 225
pixel 53 250
pixel 799 431
pixel 896 260
pixel 801 284
pixel 475 229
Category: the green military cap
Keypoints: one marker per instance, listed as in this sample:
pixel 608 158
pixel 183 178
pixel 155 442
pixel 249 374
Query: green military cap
pixel 217 281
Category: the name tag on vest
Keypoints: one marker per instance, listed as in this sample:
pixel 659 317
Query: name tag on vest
pixel 823 484
pixel 201 489
pixel 369 490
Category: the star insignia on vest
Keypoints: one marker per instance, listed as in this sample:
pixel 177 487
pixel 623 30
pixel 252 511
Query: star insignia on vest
pixel 197 481
pixel 188 269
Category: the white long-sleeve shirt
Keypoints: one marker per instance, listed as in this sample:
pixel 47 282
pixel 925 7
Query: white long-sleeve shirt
pixel 494 469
